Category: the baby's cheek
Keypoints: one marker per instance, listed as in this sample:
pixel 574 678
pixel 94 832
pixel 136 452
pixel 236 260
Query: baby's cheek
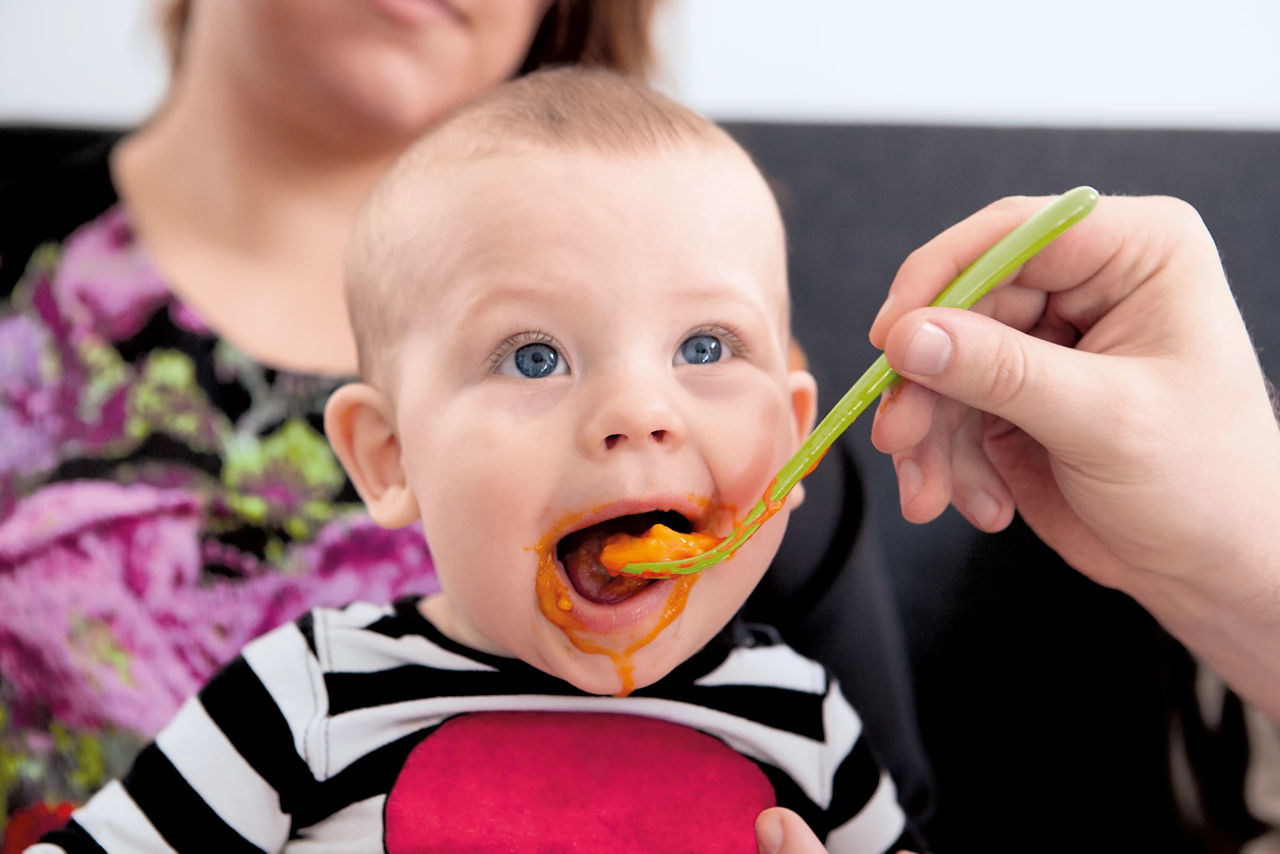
pixel 495 496
pixel 476 491
pixel 492 458
pixel 748 451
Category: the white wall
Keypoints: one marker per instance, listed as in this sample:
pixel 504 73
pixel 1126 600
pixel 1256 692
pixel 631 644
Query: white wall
pixel 1184 63
pixel 1114 62
pixel 79 61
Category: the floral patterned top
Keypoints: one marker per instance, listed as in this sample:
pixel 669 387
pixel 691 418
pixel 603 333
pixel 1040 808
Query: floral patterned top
pixel 163 500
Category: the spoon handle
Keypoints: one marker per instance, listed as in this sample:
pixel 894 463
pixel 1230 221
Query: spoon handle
pixel 1010 252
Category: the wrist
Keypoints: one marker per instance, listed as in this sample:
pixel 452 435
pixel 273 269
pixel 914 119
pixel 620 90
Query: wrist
pixel 1229 615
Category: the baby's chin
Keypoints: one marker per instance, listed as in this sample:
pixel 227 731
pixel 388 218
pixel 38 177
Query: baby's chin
pixel 607 681
pixel 608 668
pixel 603 674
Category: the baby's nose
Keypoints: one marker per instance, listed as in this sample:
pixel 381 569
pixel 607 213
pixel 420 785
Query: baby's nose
pixel 634 415
pixel 658 436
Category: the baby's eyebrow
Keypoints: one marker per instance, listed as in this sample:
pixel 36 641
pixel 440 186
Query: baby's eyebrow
pixel 468 303
pixel 713 294
pixel 471 302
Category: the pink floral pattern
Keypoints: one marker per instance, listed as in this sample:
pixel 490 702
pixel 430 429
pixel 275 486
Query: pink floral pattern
pixel 163 500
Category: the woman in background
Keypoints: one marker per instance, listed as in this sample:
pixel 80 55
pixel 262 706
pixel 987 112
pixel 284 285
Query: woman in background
pixel 173 323
pixel 174 320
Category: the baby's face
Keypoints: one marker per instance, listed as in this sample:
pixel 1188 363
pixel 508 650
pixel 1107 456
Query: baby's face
pixel 595 337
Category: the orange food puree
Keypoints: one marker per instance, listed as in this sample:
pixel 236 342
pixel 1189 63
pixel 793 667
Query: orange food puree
pixel 556 605
pixel 659 543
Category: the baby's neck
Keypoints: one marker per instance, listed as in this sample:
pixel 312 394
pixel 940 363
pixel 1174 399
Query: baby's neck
pixel 437 610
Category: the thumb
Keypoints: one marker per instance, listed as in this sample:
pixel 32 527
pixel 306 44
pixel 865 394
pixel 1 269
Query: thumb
pixel 1052 392
pixel 781 831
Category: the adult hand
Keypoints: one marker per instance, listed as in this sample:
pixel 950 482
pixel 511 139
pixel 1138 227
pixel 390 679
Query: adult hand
pixel 781 831
pixel 1109 393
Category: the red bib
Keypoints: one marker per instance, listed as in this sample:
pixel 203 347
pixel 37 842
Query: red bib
pixel 573 782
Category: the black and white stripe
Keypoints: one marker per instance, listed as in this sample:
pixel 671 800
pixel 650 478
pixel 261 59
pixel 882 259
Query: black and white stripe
pixel 299 740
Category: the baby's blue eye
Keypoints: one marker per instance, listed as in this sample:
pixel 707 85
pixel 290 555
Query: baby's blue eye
pixel 534 361
pixel 700 349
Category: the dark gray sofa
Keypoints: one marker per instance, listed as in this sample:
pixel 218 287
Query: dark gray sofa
pixel 1042 700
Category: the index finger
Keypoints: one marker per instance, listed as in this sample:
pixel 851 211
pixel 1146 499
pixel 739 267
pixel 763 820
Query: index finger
pixel 1118 227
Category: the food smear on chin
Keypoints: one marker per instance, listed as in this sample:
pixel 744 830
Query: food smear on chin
pixel 555 600
pixel 655 545
pixel 557 606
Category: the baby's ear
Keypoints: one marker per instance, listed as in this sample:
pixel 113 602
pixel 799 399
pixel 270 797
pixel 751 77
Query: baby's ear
pixel 360 425
pixel 804 412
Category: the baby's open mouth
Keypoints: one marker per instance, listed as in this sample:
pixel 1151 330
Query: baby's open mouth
pixel 579 552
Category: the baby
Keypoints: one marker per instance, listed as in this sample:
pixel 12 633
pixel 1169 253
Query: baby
pixel 572 313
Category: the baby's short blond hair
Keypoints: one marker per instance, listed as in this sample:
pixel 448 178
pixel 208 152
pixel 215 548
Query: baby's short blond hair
pixel 567 109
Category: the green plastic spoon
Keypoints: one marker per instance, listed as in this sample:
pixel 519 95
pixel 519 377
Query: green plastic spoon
pixel 1013 250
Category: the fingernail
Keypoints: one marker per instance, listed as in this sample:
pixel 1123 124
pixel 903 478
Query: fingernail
pixel 769 834
pixel 928 352
pixel 983 509
pixel 910 479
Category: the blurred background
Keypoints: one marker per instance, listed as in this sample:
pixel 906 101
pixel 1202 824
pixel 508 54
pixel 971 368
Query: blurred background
pixel 1090 63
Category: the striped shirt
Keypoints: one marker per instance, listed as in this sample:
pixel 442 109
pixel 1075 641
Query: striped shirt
pixel 299 743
